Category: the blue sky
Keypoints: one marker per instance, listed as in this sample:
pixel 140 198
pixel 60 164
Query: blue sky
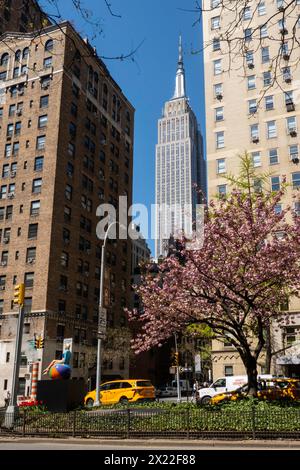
pixel 149 80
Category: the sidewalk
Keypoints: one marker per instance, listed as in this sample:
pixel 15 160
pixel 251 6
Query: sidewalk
pixel 172 444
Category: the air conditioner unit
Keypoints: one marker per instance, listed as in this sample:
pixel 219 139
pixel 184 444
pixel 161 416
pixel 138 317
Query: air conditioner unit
pixel 250 65
pixel 11 195
pixel 283 31
pixel 31 260
pixel 293 132
pixel 290 106
pixel 281 8
pixel 287 79
pixel 3 263
pixel 86 273
pixel 219 96
pixel 8 137
pixel 19 112
pixel 286 56
pixel 6 240
pixel 13 174
pixel 21 92
pixel 255 139
pixel 2 287
pixel 295 159
pixel 45 86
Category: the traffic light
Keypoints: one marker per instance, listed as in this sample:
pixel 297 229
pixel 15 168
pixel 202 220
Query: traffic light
pixel 176 359
pixel 39 343
pixel 19 295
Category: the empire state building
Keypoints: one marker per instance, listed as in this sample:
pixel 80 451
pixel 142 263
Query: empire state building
pixel 180 165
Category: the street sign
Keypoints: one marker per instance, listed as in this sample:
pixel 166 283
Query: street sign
pixel 102 322
pixel 185 369
pixel 198 363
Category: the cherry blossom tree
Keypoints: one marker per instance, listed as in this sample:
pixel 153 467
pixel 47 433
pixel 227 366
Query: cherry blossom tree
pixel 247 267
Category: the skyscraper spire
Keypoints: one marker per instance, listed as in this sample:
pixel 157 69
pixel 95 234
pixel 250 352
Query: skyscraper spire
pixel 180 75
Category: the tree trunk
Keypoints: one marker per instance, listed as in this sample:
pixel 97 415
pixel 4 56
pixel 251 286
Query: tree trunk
pixel 268 351
pixel 251 367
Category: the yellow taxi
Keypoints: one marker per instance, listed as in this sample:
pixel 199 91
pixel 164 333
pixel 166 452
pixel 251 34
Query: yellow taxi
pixel 268 389
pixel 122 391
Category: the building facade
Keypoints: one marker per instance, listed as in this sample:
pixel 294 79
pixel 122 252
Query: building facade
pixel 252 105
pixel 66 146
pixel 179 165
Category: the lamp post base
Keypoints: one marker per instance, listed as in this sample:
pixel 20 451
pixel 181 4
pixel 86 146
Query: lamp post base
pixel 11 413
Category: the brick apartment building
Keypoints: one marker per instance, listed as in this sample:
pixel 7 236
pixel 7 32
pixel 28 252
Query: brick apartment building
pixel 252 104
pixel 66 146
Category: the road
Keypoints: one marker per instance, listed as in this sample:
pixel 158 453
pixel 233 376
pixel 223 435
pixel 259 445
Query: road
pixel 13 444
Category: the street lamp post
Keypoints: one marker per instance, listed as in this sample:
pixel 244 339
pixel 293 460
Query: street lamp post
pixel 101 333
pixel 177 371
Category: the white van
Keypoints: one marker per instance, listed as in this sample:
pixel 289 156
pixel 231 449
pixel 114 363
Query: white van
pixel 224 384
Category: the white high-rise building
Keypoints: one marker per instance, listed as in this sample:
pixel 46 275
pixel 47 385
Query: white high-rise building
pixel 180 166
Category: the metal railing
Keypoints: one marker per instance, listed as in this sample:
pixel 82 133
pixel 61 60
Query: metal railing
pixel 129 423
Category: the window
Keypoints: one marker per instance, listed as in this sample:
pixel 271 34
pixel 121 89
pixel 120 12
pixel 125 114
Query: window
pixel 44 101
pixel 250 59
pixel 256 159
pixel 7 150
pixel 228 371
pixel 291 124
pixel 247 13
pixel 75 90
pixel 49 45
pixel 219 114
pixel 221 165
pixel 269 102
pixel 38 163
pixel 29 279
pixel 254 132
pixel 215 3
pixel 30 255
pixel 72 129
pixel 261 8
pixel 215 22
pixel 10 130
pixel 248 34
pixel 267 77
pixel 265 55
pixel 41 142
pixel 218 90
pixel 37 185
pixel 286 74
pixel 216 44
pixel 217 67
pixel 296 180
pixel 252 106
pixel 222 189
pixel 275 183
pixel 68 192
pixel 35 208
pixel 220 143
pixel 271 130
pixel 296 209
pixel 4 59
pixel 43 121
pixel 71 149
pixel 251 82
pixel 263 31
pixel 64 259
pixel 294 152
pixel 67 214
pixel 47 62
pixel 32 231
pixel 278 209
pixel 273 156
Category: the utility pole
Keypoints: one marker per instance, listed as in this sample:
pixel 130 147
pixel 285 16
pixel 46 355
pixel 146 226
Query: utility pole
pixel 12 409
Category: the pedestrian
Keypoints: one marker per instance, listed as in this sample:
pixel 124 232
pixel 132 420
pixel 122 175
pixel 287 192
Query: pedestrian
pixel 195 389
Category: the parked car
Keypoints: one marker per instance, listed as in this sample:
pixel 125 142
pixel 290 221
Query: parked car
pixel 122 391
pixel 224 384
pixel 167 391
pixel 268 389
